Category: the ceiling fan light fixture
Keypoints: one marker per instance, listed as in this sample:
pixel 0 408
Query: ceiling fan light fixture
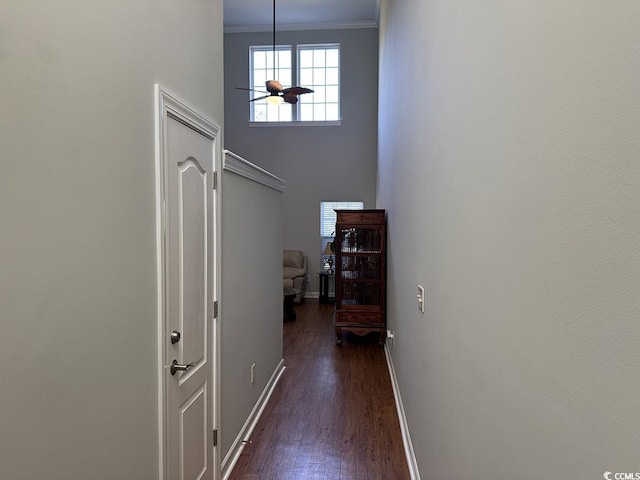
pixel 274 99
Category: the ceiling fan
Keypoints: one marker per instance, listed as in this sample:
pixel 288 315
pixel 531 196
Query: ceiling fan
pixel 275 92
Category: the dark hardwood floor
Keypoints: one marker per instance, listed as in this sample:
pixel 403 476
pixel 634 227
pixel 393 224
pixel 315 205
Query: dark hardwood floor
pixel 332 416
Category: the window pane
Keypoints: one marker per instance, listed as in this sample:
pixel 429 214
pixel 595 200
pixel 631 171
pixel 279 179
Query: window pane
pixel 332 94
pixel 285 112
pixel 306 98
pixel 306 77
pixel 259 60
pixel 332 57
pixel 284 76
pixel 318 111
pixel 260 113
pixel 306 113
pixel 284 59
pixel 333 77
pixel 333 112
pixel 318 58
pixel 318 76
pixel 306 58
pixel 259 78
pixel 319 95
pixel 272 113
pixel 268 61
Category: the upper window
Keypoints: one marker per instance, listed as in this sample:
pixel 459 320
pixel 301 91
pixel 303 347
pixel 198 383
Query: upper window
pixel 315 66
pixel 263 68
pixel 319 70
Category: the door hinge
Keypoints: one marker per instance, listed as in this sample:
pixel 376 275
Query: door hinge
pixel 215 180
pixel 215 309
pixel 215 437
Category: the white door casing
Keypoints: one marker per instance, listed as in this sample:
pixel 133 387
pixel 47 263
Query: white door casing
pixel 187 150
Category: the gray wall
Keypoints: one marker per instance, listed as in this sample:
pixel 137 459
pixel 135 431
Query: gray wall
pixel 251 310
pixel 318 163
pixel 77 215
pixel 512 182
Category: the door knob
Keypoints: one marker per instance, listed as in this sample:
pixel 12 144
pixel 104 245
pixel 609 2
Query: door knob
pixel 182 367
pixel 175 336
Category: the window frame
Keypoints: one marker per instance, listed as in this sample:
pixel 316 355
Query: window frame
pixel 314 47
pixel 295 76
pixel 268 49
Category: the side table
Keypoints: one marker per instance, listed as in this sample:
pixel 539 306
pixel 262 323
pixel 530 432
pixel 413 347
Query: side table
pixel 325 295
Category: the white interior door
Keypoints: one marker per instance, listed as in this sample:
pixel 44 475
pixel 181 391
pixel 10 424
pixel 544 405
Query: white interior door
pixel 188 291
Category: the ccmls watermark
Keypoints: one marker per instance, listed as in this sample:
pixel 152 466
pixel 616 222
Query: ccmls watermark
pixel 621 476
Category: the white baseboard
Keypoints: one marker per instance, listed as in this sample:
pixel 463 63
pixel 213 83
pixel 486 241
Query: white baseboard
pixel 404 429
pixel 308 294
pixel 234 452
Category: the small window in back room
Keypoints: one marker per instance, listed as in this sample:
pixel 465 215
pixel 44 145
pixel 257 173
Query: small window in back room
pixel 328 222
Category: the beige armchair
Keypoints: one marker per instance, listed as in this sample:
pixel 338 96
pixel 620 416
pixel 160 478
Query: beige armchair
pixel 294 272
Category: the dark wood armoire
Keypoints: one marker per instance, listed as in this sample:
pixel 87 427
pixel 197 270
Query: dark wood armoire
pixel 360 249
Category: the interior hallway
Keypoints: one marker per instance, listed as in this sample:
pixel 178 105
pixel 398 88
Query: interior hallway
pixel 332 416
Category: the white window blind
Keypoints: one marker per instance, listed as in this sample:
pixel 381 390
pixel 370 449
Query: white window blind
pixel 328 215
pixel 328 224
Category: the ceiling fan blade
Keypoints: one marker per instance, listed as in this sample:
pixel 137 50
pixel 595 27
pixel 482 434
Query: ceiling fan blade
pixel 250 89
pixel 290 98
pixel 296 91
pixel 259 98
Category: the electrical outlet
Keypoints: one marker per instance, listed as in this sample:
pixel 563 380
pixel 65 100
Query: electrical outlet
pixel 421 298
pixel 253 373
pixel 391 337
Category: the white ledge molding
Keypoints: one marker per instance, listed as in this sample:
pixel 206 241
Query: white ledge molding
pixel 238 165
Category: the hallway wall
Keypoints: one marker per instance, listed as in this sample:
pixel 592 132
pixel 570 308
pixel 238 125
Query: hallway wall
pixel 78 304
pixel 511 179
pixel 251 327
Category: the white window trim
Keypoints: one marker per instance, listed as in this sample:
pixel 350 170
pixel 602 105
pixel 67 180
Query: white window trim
pixel 318 46
pixel 267 48
pixel 296 122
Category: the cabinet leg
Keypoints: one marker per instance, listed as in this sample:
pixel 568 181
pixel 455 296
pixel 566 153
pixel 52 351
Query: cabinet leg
pixel 383 336
pixel 338 335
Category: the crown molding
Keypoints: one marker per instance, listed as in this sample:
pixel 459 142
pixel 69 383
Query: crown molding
pixel 290 27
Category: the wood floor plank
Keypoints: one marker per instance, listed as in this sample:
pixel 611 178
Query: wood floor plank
pixel 332 416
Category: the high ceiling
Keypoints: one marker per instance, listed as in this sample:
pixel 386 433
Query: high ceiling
pixel 257 15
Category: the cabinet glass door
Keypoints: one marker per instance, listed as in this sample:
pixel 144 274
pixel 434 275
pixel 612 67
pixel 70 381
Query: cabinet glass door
pixel 360 265
pixel 361 240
